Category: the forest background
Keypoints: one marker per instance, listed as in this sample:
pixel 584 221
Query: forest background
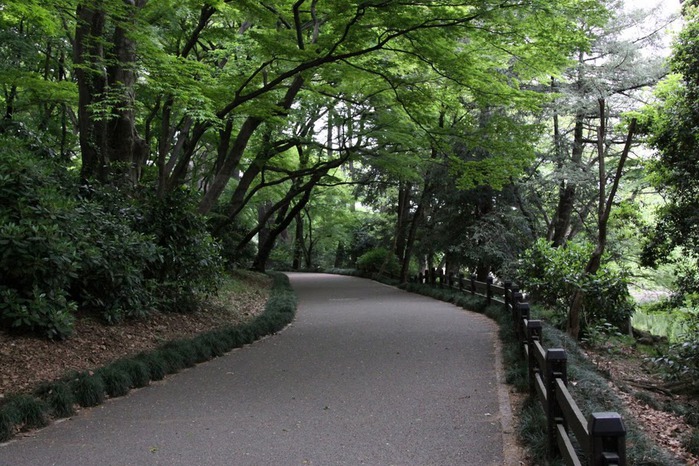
pixel 146 146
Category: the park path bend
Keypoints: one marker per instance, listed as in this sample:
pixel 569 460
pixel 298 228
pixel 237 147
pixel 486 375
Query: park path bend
pixel 366 375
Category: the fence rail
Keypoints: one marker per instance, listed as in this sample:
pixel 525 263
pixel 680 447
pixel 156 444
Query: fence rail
pixel 601 436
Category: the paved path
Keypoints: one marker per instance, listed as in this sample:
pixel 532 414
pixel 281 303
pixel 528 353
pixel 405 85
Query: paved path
pixel 367 374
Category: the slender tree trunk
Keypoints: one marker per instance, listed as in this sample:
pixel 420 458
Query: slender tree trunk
pixel 298 243
pixel 605 203
pixel 567 191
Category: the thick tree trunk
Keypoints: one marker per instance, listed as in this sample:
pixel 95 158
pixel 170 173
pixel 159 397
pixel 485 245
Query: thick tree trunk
pixel 106 77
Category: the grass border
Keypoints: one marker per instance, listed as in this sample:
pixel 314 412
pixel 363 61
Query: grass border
pixel 57 399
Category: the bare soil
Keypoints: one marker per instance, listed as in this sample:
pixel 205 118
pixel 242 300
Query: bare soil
pixel 26 361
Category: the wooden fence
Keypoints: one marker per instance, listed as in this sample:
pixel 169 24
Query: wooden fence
pixel 601 436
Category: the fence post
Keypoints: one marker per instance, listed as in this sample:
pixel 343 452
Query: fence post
pixel 433 276
pixel 507 286
pixel 522 312
pixel 450 280
pixel 473 283
pixel 419 278
pixel 534 329
pixel 461 282
pixel 556 362
pixel 489 291
pixel 440 274
pixel 516 299
pixel 607 439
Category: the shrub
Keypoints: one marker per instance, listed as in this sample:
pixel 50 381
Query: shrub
pixel 137 370
pixel 552 276
pixel 7 422
pixel 117 381
pixel 379 260
pixel 156 364
pixel 58 397
pixel 88 389
pixel 112 281
pixel 37 257
pixel 30 412
pixel 691 443
pixel 190 265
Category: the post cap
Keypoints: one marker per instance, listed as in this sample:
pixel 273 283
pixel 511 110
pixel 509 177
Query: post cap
pixel 556 354
pixel 606 424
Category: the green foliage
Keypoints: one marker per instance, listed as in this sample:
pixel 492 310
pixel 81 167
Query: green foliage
pixel 379 260
pixel 31 412
pixel 37 257
pixel 112 281
pixel 117 381
pixel 552 275
pixel 58 397
pixel 691 442
pixel 190 265
pixel 106 253
pixel 155 363
pixel 88 389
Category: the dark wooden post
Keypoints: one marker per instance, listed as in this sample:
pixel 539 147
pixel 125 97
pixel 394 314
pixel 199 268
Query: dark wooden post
pixel 607 439
pixel 556 367
pixel 433 276
pixel 534 329
pixel 516 298
pixel 441 278
pixel 473 283
pixel 461 282
pixel 522 312
pixel 489 291
pixel 419 278
pixel 450 280
pixel 507 287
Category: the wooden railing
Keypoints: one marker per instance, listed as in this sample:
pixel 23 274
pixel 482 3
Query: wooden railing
pixel 602 435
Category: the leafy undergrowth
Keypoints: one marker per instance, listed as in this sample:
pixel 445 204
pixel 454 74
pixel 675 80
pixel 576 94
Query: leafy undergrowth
pixel 108 361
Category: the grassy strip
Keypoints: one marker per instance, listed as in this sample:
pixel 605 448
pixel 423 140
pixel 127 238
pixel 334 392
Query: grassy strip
pixel 90 388
pixel 589 389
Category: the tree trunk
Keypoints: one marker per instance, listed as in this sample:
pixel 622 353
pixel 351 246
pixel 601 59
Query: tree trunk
pixel 605 203
pixel 567 191
pixel 106 78
pixel 298 243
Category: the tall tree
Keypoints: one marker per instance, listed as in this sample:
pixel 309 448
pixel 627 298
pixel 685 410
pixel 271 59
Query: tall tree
pixel 673 133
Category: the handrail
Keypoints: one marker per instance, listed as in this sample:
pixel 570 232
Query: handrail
pixel 602 435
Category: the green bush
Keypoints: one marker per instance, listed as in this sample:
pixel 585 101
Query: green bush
pixel 112 281
pixel 379 260
pixel 31 412
pixel 190 266
pixel 117 382
pixel 88 389
pixel 58 396
pixel 551 276
pixel 38 259
pixel 155 363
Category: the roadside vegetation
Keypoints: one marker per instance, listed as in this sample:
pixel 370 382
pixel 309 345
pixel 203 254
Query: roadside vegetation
pixel 148 148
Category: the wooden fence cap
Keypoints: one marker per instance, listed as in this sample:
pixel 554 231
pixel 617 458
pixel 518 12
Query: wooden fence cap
pixel 606 424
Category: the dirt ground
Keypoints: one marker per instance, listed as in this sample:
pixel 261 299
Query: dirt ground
pixel 640 387
pixel 26 361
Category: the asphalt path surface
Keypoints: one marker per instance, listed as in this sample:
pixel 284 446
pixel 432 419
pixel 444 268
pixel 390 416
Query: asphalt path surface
pixel 367 374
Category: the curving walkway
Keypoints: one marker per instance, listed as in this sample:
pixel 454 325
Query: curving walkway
pixel 367 374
